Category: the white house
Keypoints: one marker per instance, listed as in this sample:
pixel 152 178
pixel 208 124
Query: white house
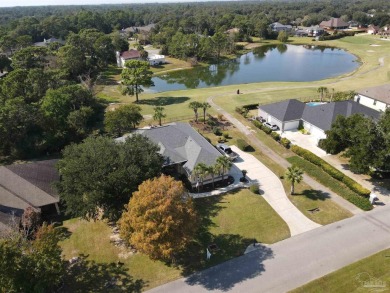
pixel 122 57
pixel 278 27
pixel 156 59
pixel 290 114
pixel 377 98
pixel 372 29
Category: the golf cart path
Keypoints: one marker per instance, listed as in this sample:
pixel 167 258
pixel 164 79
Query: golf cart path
pixel 273 192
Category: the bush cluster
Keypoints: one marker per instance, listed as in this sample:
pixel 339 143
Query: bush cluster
pixel 337 35
pixel 242 144
pixel 285 142
pixel 349 182
pixel 254 188
pixel 275 135
pixel 217 131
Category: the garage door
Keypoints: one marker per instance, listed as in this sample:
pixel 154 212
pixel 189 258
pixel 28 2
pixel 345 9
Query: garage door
pixel 291 125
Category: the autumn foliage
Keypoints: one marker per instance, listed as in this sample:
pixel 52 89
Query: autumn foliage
pixel 160 218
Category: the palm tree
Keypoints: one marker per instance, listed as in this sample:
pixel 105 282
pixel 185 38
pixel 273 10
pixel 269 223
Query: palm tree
pixel 195 106
pixel 201 170
pixel 159 114
pixel 205 106
pixel 225 164
pixel 322 90
pixel 214 169
pixel 294 175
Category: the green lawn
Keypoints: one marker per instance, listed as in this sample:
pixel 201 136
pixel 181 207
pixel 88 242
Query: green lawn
pixel 375 269
pixel 231 221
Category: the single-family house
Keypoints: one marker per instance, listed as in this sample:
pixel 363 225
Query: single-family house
pixel 315 31
pixel 334 24
pixel 122 57
pixel 182 148
pixel 291 114
pixel 156 59
pixel 372 29
pixel 28 185
pixel 377 98
pixel 286 114
pixel 278 27
pixel 47 42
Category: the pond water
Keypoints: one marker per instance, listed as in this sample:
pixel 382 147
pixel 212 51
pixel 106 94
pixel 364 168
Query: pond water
pixel 267 63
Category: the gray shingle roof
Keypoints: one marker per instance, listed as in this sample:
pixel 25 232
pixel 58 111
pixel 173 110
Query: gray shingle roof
pixel 29 184
pixel 180 143
pixel 323 116
pixel 286 110
pixel 379 93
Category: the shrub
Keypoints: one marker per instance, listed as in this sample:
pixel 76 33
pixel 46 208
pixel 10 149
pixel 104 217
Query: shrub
pixel 242 144
pixel 257 124
pixel 220 117
pixel 275 135
pixel 332 171
pixel 285 142
pixel 266 129
pixel 254 188
pixel 225 134
pixel 211 122
pixel 217 131
pixel 251 106
pixel 239 110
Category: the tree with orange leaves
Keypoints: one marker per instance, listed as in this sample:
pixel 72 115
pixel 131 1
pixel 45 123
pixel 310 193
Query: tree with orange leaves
pixel 160 219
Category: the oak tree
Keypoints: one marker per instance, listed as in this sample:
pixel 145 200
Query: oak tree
pixel 160 219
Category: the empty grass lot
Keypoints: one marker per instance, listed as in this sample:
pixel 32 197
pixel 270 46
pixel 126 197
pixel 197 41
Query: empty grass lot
pixel 231 221
pixel 374 269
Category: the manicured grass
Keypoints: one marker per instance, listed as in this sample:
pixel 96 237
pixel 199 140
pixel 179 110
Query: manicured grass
pixel 231 221
pixel 93 239
pixel 375 268
pixel 328 181
pixel 248 215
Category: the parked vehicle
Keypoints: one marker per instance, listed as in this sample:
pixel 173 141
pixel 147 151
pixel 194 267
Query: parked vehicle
pixel 227 151
pixel 261 119
pixel 272 126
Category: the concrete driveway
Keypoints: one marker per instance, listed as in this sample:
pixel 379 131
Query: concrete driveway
pixel 273 192
pixel 305 141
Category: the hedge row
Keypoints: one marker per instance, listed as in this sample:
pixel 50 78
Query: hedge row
pixel 337 35
pixel 335 185
pixel 276 136
pixel 349 182
pixel 251 106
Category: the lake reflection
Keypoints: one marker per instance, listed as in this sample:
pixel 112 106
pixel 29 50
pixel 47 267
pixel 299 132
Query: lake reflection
pixel 267 63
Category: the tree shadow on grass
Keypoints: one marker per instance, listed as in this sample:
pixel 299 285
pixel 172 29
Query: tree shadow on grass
pixel 164 101
pixel 222 276
pixel 88 276
pixel 315 194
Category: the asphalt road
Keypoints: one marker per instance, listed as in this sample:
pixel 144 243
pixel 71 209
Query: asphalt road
pixel 295 261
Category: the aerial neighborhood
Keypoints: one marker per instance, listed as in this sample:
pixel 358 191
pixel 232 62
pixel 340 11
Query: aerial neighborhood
pixel 192 147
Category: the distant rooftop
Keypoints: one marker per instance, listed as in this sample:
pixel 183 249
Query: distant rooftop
pixel 379 93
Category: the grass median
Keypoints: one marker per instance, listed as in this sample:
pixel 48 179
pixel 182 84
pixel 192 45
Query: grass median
pixel 325 179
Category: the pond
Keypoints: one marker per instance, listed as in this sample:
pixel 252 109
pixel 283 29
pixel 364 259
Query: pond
pixel 267 63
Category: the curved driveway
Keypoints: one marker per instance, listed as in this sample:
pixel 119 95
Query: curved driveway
pixel 273 193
